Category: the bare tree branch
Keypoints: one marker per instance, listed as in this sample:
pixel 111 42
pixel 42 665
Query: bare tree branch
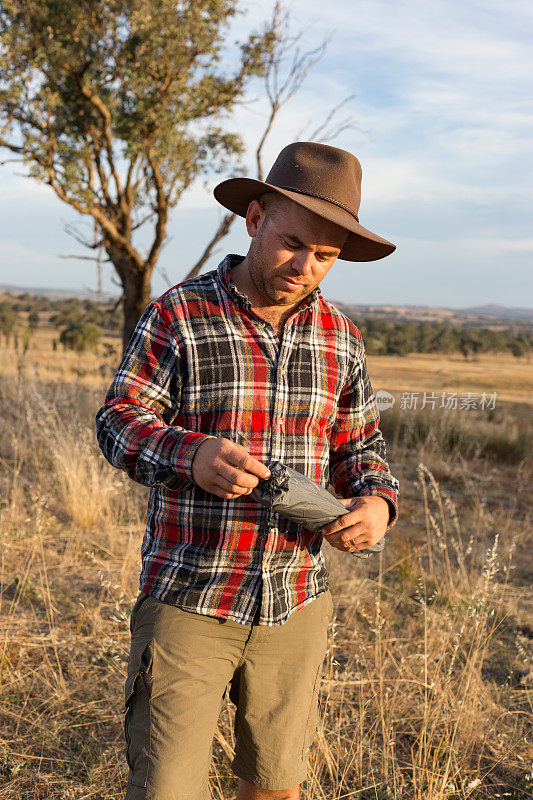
pixel 323 132
pixel 279 90
pixel 101 107
pixel 161 211
pixel 219 234
pixel 164 274
pixel 119 301
pixel 143 221
pixel 72 230
pixel 12 161
pixel 86 258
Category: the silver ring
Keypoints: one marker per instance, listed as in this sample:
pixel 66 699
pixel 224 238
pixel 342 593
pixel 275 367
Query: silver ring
pixel 353 542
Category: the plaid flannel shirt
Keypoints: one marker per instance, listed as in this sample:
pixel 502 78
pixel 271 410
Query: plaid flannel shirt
pixel 201 363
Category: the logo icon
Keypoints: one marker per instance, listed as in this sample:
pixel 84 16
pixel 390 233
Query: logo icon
pixel 384 400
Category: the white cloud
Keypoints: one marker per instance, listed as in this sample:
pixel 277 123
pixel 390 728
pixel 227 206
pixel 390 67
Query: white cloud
pixel 443 105
pixel 451 37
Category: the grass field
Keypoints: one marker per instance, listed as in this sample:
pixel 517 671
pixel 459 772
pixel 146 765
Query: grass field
pixel 427 689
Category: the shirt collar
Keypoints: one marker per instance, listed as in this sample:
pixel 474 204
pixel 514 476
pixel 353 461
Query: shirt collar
pixel 241 299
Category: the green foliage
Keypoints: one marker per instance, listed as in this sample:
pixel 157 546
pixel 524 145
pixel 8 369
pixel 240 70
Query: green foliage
pixel 8 318
pixel 26 336
pixel 519 347
pixel 81 336
pixel 88 83
pixel 400 338
pixel 120 106
pixel 72 310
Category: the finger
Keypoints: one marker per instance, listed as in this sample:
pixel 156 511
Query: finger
pixel 237 477
pixel 342 546
pixel 338 524
pixel 359 546
pixel 346 502
pixel 343 539
pixel 348 529
pixel 348 547
pixel 243 460
pixel 225 491
pixel 354 533
pixel 231 486
pixel 336 541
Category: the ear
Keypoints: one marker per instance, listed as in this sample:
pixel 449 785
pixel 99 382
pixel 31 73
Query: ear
pixel 254 217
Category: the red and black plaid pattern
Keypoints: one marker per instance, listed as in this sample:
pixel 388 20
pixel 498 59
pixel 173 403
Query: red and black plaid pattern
pixel 202 363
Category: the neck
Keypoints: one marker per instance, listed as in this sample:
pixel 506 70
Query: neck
pixel 275 314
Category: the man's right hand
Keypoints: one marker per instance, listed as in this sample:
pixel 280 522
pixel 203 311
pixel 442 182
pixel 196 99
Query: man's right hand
pixel 226 469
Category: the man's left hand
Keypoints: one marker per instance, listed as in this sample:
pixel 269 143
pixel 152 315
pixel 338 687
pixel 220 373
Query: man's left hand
pixel 366 522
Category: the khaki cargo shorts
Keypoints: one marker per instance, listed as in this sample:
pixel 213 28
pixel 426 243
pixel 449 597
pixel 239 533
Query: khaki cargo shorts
pixel 181 666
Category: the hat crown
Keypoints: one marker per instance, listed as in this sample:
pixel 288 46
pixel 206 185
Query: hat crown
pixel 323 179
pixel 319 170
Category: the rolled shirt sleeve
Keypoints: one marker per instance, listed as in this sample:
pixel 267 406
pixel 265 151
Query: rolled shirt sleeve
pixel 134 425
pixel 358 464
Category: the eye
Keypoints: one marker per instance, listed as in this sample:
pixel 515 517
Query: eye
pixel 288 245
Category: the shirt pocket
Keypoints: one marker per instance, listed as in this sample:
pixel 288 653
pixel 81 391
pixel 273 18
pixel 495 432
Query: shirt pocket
pixel 314 389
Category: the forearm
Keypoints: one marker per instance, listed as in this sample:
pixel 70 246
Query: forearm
pixel 133 426
pixel 135 439
pixel 362 469
pixel 358 454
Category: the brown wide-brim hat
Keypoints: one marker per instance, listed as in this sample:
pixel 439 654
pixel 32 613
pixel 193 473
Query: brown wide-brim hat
pixel 321 178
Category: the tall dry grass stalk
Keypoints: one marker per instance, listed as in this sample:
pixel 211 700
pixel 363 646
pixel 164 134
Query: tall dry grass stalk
pixel 53 447
pixel 408 709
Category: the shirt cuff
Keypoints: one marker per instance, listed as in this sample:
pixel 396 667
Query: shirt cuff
pixel 185 450
pixel 387 494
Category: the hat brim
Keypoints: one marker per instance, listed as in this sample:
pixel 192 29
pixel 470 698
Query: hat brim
pixel 236 194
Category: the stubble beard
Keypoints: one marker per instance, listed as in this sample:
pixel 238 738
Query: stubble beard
pixel 267 289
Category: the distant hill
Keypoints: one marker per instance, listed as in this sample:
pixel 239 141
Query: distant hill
pixel 55 294
pixel 475 315
pixel 494 310
pixel 491 313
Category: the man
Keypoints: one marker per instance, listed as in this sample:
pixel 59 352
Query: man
pixel 225 373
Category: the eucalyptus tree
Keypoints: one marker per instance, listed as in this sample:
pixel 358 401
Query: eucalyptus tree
pixel 119 105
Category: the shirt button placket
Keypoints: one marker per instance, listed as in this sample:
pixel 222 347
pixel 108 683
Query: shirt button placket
pixel 281 378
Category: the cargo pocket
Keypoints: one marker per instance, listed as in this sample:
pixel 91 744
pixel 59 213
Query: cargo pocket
pixel 312 717
pixel 138 690
pixel 330 609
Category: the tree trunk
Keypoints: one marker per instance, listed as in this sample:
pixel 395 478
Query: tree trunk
pixel 136 287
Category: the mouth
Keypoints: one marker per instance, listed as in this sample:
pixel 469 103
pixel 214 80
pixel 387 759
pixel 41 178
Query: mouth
pixel 290 284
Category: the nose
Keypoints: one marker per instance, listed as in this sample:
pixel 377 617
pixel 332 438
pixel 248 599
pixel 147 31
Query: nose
pixel 303 261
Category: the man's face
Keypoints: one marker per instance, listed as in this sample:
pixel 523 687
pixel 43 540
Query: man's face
pixel 292 249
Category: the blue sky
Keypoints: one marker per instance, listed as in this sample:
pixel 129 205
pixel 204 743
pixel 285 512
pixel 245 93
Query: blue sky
pixel 443 115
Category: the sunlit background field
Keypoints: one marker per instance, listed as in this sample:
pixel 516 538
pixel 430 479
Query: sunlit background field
pixel 427 689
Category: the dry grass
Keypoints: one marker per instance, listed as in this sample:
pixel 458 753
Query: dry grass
pixel 511 378
pixel 426 691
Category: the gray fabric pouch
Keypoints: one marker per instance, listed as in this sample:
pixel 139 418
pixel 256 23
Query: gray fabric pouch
pixel 301 500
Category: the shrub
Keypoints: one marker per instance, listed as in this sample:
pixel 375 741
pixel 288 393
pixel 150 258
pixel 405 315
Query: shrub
pixel 81 336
